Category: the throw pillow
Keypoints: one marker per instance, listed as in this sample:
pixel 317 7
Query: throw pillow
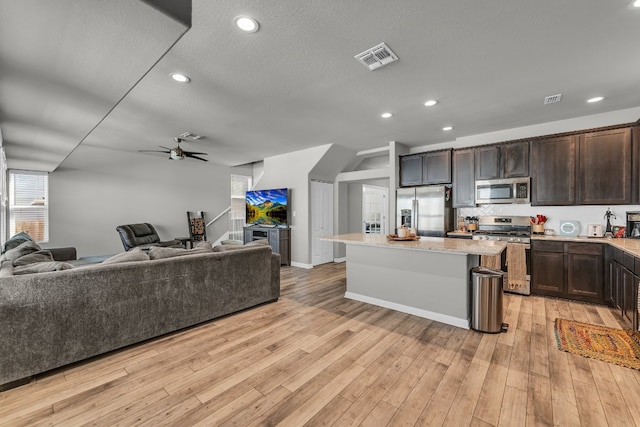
pixel 21 250
pixel 39 256
pixel 261 242
pixel 16 241
pixel 135 254
pixel 42 267
pixel 205 245
pixel 157 252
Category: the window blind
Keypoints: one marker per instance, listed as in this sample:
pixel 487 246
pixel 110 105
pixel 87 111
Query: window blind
pixel 29 204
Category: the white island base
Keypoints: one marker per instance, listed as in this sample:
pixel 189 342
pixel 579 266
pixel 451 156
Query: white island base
pixel 433 285
pixel 430 278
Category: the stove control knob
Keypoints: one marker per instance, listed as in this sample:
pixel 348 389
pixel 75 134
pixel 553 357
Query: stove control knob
pixel 498 238
pixel 518 240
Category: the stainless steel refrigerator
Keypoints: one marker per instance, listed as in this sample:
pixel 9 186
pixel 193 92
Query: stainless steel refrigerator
pixel 428 209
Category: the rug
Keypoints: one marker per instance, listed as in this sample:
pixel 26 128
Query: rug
pixel 618 346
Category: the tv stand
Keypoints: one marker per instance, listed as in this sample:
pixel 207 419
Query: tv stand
pixel 279 239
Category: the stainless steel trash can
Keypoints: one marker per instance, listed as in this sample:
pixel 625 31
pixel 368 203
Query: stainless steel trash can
pixel 486 300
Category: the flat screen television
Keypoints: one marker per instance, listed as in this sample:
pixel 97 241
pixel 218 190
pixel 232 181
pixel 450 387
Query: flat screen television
pixel 267 207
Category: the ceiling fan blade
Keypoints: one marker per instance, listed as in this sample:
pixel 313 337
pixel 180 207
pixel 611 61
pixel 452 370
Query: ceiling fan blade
pixel 195 157
pixel 164 147
pixel 153 151
pixel 193 152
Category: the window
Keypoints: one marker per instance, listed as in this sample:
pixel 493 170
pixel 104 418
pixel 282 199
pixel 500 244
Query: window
pixel 3 195
pixel 237 215
pixel 29 204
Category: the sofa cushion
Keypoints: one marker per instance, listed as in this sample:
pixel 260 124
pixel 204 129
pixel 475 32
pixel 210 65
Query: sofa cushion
pixel 6 269
pixel 135 254
pixel 157 252
pixel 16 241
pixel 41 267
pixel 21 250
pixel 38 256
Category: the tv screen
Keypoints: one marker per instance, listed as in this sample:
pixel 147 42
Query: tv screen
pixel 267 207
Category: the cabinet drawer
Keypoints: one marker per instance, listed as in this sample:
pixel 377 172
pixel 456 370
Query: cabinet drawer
pixel 617 255
pixel 538 245
pixel 584 248
pixel 628 261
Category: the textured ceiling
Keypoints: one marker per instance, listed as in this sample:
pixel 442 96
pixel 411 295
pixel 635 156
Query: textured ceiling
pixel 295 84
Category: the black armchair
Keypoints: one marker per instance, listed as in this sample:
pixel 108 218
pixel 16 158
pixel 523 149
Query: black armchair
pixel 143 235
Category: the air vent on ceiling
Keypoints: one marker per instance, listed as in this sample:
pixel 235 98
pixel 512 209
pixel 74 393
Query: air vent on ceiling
pixel 376 57
pixel 190 135
pixel 552 99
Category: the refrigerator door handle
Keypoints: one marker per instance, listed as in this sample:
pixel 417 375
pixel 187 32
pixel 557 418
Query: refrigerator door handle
pixel 414 213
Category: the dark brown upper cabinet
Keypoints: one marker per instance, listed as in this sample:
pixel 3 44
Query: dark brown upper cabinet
pixel 463 178
pixel 553 171
pixel 508 160
pixel 436 167
pixel 604 168
pixel 411 170
pixel 433 167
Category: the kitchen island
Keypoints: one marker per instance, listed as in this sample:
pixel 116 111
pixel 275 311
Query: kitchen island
pixel 429 277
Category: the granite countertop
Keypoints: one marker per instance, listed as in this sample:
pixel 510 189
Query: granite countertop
pixel 631 246
pixel 427 244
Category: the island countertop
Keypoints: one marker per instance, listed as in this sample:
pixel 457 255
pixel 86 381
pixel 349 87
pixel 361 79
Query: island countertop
pixel 429 244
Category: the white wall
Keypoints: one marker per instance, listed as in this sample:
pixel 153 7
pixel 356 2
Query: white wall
pixel 291 170
pixel 95 190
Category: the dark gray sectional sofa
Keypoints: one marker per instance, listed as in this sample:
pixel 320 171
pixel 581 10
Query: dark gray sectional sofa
pixel 51 319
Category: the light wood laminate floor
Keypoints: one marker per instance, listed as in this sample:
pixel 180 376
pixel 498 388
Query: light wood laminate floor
pixel 315 358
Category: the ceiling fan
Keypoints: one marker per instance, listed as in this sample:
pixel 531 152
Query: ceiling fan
pixel 177 153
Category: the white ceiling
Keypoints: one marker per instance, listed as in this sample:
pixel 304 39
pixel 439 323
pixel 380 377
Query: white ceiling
pixel 295 84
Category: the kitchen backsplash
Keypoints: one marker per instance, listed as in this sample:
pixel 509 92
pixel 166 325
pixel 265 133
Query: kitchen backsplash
pixel 585 214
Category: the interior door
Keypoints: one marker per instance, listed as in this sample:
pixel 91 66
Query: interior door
pixel 374 210
pixel 321 221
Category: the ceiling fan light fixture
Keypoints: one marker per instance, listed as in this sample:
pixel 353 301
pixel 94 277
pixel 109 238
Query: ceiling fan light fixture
pixel 180 78
pixel 246 23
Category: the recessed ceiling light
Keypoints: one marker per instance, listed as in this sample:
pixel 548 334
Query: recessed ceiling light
pixel 386 115
pixel 246 23
pixel 430 103
pixel 182 78
pixel 595 99
pixel 635 3
pixel 447 128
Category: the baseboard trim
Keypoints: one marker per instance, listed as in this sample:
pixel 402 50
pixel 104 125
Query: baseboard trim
pixel 301 265
pixel 339 260
pixel 438 317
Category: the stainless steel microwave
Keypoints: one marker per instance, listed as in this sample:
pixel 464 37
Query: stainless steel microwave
pixel 508 190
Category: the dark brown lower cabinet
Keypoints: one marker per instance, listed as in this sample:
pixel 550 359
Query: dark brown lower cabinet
pixel 571 270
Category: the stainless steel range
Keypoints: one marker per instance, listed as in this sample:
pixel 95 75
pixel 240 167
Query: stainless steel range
pixel 516 231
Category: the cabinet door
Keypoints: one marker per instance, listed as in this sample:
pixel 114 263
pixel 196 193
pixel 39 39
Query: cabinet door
pixel 411 170
pixel 274 240
pixel 463 178
pixel 585 272
pixel 436 167
pixel 629 298
pixel 553 172
pixel 605 168
pixel 547 273
pixel 488 162
pixel 515 159
pixel 615 277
